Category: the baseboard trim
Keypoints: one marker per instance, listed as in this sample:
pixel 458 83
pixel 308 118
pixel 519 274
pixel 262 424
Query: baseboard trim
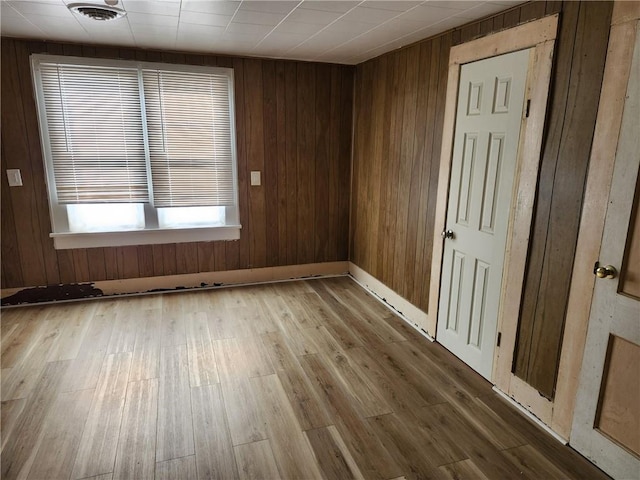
pixel 531 416
pixel 392 300
pixel 196 281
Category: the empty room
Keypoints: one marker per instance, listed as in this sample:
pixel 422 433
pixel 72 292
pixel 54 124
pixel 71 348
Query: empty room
pixel 311 239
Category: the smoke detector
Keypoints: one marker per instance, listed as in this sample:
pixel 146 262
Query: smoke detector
pixel 97 12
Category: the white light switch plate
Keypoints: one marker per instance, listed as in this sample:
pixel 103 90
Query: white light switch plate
pixel 255 178
pixel 14 177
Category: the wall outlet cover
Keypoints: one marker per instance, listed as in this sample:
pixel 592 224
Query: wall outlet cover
pixel 14 177
pixel 255 178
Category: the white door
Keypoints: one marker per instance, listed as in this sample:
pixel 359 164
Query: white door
pixel 606 422
pixel 489 113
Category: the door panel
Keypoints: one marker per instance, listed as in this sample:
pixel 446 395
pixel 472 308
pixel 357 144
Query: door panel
pixel 619 406
pixel 630 273
pixel 492 183
pixel 489 114
pixel 606 422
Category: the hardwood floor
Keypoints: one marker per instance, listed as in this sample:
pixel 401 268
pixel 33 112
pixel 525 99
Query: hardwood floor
pixel 309 379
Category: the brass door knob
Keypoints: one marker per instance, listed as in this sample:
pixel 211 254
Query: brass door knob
pixel 608 271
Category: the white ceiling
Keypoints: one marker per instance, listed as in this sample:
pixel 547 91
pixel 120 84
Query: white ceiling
pixel 325 31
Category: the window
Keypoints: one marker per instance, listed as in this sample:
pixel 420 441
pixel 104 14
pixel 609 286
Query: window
pixel 135 152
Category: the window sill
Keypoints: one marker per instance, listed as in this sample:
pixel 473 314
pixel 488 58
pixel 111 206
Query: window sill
pixel 63 241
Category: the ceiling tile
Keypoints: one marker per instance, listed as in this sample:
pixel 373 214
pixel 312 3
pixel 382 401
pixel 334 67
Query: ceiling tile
pixel 317 17
pixel 159 43
pixel 155 30
pixel 249 29
pixel 329 6
pixel 208 6
pixel 446 24
pixel 230 44
pixel 159 20
pixel 246 40
pixel 269 6
pixel 398 6
pixel 48 9
pixel 396 26
pixel 205 19
pixel 415 36
pixel 157 7
pixel 333 30
pixel 480 11
pixel 321 44
pixel 351 27
pixel 305 51
pixel 298 28
pixel 18 26
pixel 57 23
pixel 282 40
pixel 192 32
pixel 332 58
pixel 427 14
pixel 54 2
pixel 370 15
pixel 258 18
pixel 6 10
pixel 120 38
pixel 457 5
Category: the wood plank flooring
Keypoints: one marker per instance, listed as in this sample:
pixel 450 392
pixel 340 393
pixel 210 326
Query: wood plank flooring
pixel 298 380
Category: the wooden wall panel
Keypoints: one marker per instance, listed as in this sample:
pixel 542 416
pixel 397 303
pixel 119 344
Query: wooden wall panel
pixel 299 214
pixel 395 176
pixel 563 172
pixel 306 160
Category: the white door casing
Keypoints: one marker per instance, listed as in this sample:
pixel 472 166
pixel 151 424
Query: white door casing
pixel 615 316
pixel 488 123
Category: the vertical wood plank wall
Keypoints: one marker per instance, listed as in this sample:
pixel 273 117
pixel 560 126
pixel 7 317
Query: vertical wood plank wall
pixel 398 134
pixel 293 123
pixel 581 49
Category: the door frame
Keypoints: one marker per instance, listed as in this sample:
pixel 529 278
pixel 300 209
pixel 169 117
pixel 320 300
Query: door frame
pixel 539 35
pixel 471 238
pixel 624 24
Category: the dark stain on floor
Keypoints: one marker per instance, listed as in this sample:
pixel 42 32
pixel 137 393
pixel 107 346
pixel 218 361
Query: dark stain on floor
pixel 53 293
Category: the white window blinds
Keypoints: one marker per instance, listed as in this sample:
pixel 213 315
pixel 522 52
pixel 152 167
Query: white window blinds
pixel 133 132
pixel 189 131
pixel 95 130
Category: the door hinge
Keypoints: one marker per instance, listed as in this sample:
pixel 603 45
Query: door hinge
pixel 526 115
pixel 499 338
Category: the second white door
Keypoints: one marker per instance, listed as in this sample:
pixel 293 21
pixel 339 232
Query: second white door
pixel 489 113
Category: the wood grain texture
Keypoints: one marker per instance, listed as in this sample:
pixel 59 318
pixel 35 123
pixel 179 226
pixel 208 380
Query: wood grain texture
pixel 291 449
pixel 395 173
pixel 136 453
pixel 630 272
pixel 294 402
pixel 582 48
pixel 175 425
pixel 183 467
pixel 62 434
pixel 214 451
pixel 269 96
pixel 605 141
pixel 20 446
pixel 255 461
pixel 99 441
pixel 397 139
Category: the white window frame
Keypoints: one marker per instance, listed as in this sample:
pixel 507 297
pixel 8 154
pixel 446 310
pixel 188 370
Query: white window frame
pixel 63 238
